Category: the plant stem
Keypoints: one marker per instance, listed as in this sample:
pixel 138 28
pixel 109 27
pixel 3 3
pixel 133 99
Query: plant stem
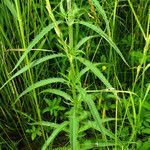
pixel 28 63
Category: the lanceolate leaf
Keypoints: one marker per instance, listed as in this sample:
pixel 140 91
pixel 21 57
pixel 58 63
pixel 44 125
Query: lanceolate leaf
pixel 82 41
pixel 39 84
pixel 102 12
pixel 83 71
pixel 58 92
pixel 105 36
pixel 32 64
pixel 88 99
pixel 54 134
pixel 95 70
pixel 35 41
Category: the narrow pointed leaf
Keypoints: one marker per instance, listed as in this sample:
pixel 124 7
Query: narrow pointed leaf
pixel 35 41
pixel 32 64
pixel 58 92
pixel 105 36
pixel 40 84
pixel 54 134
pixel 95 70
pixel 88 99
pixel 101 11
pixel 82 41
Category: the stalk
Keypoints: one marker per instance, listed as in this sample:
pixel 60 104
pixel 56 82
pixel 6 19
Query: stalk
pixel 70 23
pixel 137 20
pixel 143 62
pixel 108 75
pixel 69 50
pixel 146 48
pixel 112 36
pixel 27 62
pixel 73 119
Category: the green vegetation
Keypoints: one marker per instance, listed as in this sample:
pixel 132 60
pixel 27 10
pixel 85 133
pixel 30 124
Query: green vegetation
pixel 74 74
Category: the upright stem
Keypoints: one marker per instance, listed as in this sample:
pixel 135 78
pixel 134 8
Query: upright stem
pixel 73 120
pixel 112 35
pixel 71 50
pixel 143 62
pixel 70 23
pixel 27 61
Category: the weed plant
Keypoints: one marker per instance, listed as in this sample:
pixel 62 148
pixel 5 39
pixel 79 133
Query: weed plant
pixel 74 74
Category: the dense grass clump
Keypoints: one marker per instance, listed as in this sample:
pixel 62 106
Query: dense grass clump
pixel 74 74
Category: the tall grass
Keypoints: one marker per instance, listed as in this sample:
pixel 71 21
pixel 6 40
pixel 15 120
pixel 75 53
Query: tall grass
pixel 74 74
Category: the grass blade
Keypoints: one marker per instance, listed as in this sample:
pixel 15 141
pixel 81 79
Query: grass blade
pixel 138 22
pixel 11 7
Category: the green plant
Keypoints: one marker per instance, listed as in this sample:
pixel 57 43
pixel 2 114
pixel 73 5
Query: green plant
pixel 76 69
